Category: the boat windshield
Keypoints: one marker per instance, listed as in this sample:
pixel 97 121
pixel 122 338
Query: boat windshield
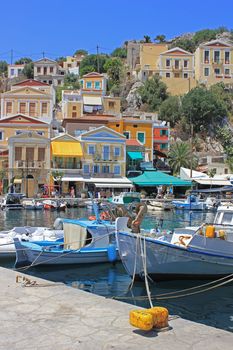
pixel 227 218
pixel 11 199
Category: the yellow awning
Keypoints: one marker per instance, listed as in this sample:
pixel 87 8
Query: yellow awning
pixel 17 181
pixel 66 149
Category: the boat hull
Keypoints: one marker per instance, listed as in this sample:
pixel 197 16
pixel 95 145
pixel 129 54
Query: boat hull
pixel 164 261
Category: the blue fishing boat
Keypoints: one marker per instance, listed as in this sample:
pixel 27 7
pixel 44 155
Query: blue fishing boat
pixel 192 202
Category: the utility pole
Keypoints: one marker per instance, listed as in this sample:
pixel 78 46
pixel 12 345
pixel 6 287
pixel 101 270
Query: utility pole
pixel 191 141
pixel 97 54
pixel 11 56
pixel 43 54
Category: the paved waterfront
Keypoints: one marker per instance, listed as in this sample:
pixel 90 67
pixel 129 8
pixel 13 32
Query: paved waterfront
pixel 56 316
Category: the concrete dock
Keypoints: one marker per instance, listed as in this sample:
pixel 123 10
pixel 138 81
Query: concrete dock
pixel 54 316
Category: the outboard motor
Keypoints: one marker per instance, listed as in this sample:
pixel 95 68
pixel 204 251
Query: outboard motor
pixel 58 224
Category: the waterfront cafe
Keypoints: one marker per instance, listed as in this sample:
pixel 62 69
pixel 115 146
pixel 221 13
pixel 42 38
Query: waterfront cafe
pixel 151 180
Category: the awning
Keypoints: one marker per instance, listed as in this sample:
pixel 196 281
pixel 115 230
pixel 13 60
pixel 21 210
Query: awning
pixel 110 185
pixel 17 181
pixel 73 178
pixel 66 149
pixel 157 178
pixel 135 155
pixel 212 181
pixel 92 100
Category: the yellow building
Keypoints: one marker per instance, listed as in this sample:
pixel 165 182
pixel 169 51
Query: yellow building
pixel 176 67
pixel 29 161
pixel 31 98
pixel 66 158
pixel 94 83
pixel 72 63
pixel 17 125
pixel 214 63
pixel 149 57
pixel 136 129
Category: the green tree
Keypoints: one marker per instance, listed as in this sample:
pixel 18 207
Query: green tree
pixel 3 67
pixel 181 155
pixel 71 81
pixel 161 38
pixel 28 70
pixel 81 52
pixel 153 93
pixel 201 107
pixel 170 110
pixel 147 39
pixel 60 59
pixel 185 44
pixel 225 136
pixel 223 94
pixel 114 68
pixel 120 52
pixel 23 60
pixel 94 61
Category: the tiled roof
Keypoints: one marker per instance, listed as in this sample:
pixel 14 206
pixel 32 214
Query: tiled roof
pixel 133 143
pixel 31 82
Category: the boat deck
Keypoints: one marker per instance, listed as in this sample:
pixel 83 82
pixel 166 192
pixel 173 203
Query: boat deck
pixel 51 315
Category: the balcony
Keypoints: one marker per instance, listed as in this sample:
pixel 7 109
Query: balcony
pixel 217 63
pixel 35 164
pixel 177 69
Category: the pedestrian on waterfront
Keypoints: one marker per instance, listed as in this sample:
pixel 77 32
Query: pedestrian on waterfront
pixel 72 192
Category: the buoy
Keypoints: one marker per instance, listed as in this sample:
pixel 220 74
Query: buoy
pixel 92 218
pixel 210 231
pixel 112 253
pixel 155 317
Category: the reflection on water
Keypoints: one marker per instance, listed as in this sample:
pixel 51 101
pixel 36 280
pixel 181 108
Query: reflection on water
pixel 214 308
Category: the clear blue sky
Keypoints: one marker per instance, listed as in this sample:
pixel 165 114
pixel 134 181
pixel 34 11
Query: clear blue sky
pixel 59 27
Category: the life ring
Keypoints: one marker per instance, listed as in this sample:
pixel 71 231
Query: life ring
pixel 104 216
pixel 92 218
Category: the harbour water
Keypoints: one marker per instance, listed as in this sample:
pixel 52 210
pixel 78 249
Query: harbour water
pixel 213 308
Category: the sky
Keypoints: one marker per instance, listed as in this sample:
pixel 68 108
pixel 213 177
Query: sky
pixel 60 27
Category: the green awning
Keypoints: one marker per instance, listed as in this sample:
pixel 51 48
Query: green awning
pixel 135 155
pixel 157 178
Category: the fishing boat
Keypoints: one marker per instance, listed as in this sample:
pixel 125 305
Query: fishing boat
pixel 25 233
pixel 192 202
pixel 12 201
pixel 32 204
pixel 191 253
pixel 84 242
pixel 153 205
pixel 51 204
pixel 126 198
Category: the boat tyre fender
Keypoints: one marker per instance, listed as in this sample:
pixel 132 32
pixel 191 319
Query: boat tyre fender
pixel 58 224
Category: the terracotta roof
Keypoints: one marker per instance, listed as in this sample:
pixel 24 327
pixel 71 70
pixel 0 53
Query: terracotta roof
pixel 133 143
pixel 30 82
pixel 92 74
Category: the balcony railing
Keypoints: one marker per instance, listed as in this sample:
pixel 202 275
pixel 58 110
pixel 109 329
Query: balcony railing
pixel 35 164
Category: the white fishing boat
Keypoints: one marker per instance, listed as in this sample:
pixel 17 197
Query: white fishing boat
pixel 153 205
pixel 12 201
pixel 25 233
pixel 201 252
pixel 126 198
pixel 84 242
pixel 32 204
pixel 192 202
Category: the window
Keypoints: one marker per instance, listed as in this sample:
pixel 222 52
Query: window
pixel 106 152
pixel 163 146
pixel 126 134
pixel 217 71
pixel 176 75
pixel 12 71
pixel 51 69
pixel 50 82
pixel 168 75
pixel 135 126
pixel 41 133
pixel 96 169
pixel 141 137
pixel 45 70
pixel 22 107
pixel 8 107
pixel 117 125
pixel 163 132
pixel 44 108
pixel 41 154
pixel 206 72
pixel 225 171
pixel 117 151
pixel 88 84
pixel 18 153
pixel 1 135
pixel 59 82
pixel 111 104
pixel 186 75
pixel 18 132
pixel 117 169
pixel 91 149
pixel 74 108
pixel 86 169
pixel 227 57
pixel 227 71
pixel 74 114
pixel 186 63
pixel 38 69
pixel 32 108
pixel 206 56
pixel 30 153
pixel 168 63
pixel 216 56
pixel 177 64
pixel 97 85
pixel 105 169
